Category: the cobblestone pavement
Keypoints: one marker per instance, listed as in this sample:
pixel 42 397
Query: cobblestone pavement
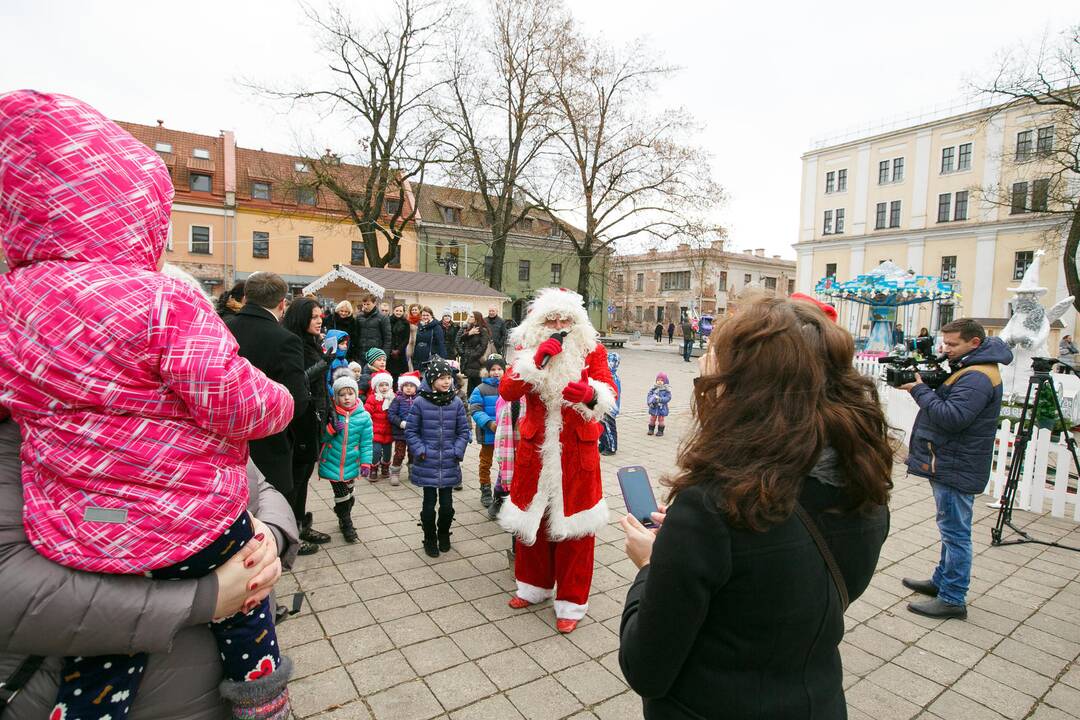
pixel 388 633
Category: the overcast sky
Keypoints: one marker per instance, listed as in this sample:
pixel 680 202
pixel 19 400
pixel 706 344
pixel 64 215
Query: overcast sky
pixel 765 78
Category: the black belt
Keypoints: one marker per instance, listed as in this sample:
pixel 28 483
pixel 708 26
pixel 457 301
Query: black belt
pixel 10 688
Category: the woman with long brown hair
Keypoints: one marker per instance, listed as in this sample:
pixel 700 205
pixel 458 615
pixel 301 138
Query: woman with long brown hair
pixel 776 517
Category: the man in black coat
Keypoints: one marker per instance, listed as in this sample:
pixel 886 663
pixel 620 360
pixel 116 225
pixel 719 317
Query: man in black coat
pixel 279 354
pixel 497 327
pixel 371 329
pixel 450 333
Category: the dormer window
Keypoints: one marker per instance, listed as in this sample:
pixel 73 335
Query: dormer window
pixel 301 167
pixel 163 147
pixel 450 216
pixel 200 153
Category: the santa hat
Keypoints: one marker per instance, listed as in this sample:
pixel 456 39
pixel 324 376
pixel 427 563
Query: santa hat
pixel 829 310
pixel 382 377
pixel 409 378
pixel 558 302
pixel 346 382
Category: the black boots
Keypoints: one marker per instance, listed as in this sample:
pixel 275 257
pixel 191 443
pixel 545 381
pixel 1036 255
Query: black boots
pixel 652 428
pixel 445 518
pixel 496 505
pixel 485 495
pixel 343 510
pixel 427 522
pixel 660 431
pixel 923 587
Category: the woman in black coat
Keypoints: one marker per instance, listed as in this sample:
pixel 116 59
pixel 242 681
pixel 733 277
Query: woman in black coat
pixel 735 612
pixel 472 346
pixel 398 361
pixel 304 319
pixel 427 341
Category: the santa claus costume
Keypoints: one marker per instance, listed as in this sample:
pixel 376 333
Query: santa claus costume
pixel 556 501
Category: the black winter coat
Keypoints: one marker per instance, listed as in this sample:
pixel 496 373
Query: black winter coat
pixel 304 430
pixel 731 623
pixel 472 349
pixel 397 361
pixel 451 335
pixel 499 332
pixel 429 341
pixel 371 330
pixel 279 354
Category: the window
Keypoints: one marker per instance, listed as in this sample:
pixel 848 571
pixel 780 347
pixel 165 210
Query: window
pixel 260 191
pixel 879 219
pixel 944 204
pixel 300 166
pixel 945 314
pixel 489 263
pixel 639 313
pixel 1019 198
pixel 1024 258
pixel 770 283
pixel 947 159
pixel 260 244
pixel 356 257
pixel 306 196
pixel 894 214
pixel 830 182
pixel 526 224
pixel 1040 192
pixel 620 282
pixel 883 172
pixel 963 159
pixel 790 286
pixel 523 270
pixel 556 273
pixel 840 221
pixel 1045 141
pixel 747 279
pixel 555 231
pixel 200 153
pixel 659 313
pixel 1023 145
pixel 450 215
pixel 960 206
pixel 675 280
pixel 391 206
pixel 948 267
pixel 199 240
pixel 199 182
pixel 721 282
pixel 307 248
pixel 830 270
pixel 841 181
pixel 898 170
pixel 826 226
pixel 639 283
pixel 163 147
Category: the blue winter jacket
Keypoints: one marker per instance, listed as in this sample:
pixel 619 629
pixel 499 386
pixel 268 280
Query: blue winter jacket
pixel 340 360
pixel 399 410
pixel 482 408
pixel 437 436
pixel 344 451
pixel 613 361
pixel 429 341
pixel 952 440
pixel 658 399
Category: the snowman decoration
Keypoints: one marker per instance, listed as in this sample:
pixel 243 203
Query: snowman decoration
pixel 1029 326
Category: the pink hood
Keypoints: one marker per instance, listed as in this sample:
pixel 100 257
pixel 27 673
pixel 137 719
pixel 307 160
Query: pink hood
pixel 135 408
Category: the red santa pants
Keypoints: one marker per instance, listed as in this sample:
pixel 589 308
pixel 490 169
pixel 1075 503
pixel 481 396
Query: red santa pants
pixel 566 566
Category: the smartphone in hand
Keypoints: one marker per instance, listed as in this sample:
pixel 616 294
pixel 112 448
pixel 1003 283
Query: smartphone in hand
pixel 638 494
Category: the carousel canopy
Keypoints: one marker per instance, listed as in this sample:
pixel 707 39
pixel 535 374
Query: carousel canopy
pixel 887 285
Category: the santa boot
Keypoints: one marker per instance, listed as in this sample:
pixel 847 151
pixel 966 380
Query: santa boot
pixel 395 475
pixel 660 431
pixel 445 518
pixel 652 428
pixel 265 698
pixel 427 522
pixel 385 467
pixel 344 514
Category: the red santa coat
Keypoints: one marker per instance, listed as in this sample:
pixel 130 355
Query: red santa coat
pixel 557 462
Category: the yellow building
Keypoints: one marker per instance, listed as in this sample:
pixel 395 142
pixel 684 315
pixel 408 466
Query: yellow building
pixel 956 197
pixel 239 211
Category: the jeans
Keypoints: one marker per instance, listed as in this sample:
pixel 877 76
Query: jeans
pixel 687 346
pixel 953 573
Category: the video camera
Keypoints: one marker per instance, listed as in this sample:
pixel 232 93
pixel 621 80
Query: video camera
pixel 902 369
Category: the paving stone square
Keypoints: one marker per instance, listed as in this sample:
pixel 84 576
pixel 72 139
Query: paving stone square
pixel 387 633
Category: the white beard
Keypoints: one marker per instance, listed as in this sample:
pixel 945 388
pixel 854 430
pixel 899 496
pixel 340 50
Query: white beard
pixel 562 369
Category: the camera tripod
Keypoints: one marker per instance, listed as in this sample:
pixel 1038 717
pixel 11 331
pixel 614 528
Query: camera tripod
pixel 1040 378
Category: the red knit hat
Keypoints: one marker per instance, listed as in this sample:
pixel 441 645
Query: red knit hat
pixel 825 308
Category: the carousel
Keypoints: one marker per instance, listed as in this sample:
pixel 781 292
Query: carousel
pixel 873 305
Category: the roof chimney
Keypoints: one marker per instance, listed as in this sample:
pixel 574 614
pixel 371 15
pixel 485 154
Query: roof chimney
pixel 684 247
pixel 748 252
pixel 161 123
pixel 759 252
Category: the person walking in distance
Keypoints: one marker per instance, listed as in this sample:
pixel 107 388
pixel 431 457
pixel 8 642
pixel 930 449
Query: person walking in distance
pixel 952 446
pixel 670 332
pixel 658 333
pixel 346 451
pixel 687 329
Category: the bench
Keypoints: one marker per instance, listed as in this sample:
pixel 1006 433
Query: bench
pixel 613 342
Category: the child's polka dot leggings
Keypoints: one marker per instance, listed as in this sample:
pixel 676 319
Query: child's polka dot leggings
pixel 103 687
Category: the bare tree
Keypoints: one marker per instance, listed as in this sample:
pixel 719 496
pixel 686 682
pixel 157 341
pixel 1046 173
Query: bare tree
pixel 496 108
pixel 625 171
pixel 381 81
pixel 1047 78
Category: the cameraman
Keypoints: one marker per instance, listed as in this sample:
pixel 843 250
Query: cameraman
pixel 952 444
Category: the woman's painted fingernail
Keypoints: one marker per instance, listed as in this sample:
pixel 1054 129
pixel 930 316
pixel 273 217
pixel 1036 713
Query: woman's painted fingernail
pixel 249 563
pixel 260 537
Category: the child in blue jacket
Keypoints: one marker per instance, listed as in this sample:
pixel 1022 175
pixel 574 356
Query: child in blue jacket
pixel 658 398
pixel 609 438
pixel 346 451
pixel 408 385
pixel 482 408
pixel 437 432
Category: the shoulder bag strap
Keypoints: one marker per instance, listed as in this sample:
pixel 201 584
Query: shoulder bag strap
pixel 15 682
pixel 823 548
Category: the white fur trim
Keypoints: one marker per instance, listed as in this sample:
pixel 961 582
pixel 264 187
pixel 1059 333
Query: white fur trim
pixel 586 522
pixel 605 402
pixel 382 377
pixel 565 610
pixel 531 593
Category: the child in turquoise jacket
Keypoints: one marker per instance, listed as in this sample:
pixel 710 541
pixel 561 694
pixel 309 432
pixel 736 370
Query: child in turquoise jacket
pixel 346 450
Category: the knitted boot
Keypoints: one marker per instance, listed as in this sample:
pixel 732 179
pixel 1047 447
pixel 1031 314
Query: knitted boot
pixel 266 698
pixel 445 518
pixel 427 522
pixel 395 475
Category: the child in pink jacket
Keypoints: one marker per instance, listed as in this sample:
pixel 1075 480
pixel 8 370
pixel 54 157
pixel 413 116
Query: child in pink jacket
pixel 134 407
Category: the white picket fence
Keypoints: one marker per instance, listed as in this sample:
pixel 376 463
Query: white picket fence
pixel 1049 474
